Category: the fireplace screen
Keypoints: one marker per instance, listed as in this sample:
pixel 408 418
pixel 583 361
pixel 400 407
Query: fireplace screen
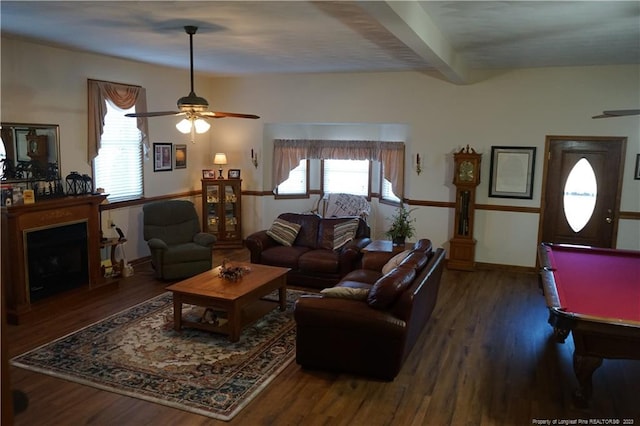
pixel 57 259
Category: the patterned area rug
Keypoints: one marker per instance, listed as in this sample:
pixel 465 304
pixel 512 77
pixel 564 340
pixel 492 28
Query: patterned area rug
pixel 137 353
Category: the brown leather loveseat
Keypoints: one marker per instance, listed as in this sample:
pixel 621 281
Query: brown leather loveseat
pixel 311 256
pixel 369 322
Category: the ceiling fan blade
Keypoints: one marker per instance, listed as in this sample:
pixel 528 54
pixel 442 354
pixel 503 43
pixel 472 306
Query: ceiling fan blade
pixel 617 113
pixel 192 105
pixel 153 114
pixel 220 114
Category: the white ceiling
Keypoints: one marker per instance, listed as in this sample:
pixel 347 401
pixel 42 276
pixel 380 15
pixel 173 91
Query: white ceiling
pixel 452 38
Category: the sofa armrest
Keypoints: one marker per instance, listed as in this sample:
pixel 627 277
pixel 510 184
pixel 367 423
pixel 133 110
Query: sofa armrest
pixel 204 239
pixel 351 254
pixel 157 244
pixel 257 243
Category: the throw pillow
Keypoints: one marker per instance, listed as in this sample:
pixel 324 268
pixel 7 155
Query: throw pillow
pixel 394 261
pixel 284 232
pixel 346 292
pixel 344 232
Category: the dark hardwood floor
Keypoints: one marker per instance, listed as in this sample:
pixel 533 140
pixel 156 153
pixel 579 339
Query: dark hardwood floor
pixel 486 357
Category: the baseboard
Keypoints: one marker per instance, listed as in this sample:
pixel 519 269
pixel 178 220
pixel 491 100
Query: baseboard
pixel 510 268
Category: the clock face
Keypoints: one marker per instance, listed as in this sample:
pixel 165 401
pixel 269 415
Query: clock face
pixel 466 171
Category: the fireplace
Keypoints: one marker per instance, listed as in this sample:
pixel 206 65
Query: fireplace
pixel 51 255
pixel 56 260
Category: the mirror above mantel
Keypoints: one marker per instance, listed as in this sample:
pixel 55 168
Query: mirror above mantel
pixel 30 153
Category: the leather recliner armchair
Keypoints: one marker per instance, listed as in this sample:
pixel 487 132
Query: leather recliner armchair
pixel 178 248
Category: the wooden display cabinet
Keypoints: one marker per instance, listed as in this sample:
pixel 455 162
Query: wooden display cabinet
pixel 222 211
pixel 466 178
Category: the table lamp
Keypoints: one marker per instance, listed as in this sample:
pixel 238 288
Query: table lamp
pixel 220 159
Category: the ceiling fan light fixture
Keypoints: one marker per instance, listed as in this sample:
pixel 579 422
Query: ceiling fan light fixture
pixel 192 106
pixel 201 125
pixel 184 126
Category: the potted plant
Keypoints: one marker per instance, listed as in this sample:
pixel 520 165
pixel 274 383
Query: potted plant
pixel 402 226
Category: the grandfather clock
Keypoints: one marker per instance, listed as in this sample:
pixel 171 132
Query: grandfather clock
pixel 466 178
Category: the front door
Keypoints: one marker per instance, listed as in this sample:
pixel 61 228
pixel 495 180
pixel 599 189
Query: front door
pixel 581 190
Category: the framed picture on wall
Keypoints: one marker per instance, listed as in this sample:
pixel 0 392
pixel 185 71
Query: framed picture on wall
pixel 162 157
pixel 233 174
pixel 181 156
pixel 636 175
pixel 511 172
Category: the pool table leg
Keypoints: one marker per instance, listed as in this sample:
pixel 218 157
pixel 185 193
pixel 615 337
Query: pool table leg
pixel 584 366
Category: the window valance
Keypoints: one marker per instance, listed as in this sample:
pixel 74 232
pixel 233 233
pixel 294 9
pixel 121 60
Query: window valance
pixel 287 154
pixel 123 96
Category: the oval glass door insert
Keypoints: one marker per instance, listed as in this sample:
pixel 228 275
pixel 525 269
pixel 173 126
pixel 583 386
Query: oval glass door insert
pixel 580 193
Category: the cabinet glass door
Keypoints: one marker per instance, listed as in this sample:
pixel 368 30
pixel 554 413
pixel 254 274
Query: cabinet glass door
pixel 230 211
pixel 213 201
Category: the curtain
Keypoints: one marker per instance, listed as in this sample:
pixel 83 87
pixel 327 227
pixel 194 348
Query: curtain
pixel 123 96
pixel 287 154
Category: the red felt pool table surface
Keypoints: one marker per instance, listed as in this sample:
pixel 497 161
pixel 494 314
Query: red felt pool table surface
pixel 596 282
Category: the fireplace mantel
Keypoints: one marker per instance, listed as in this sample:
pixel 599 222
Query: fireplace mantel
pixel 19 219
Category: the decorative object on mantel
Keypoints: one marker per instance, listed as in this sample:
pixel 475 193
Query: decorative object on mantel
pixel 78 184
pixel 32 154
pixel 402 226
pixel 254 158
pixel 232 273
pixel 418 164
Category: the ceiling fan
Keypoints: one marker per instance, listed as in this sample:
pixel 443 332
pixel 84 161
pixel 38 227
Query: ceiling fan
pixel 617 113
pixel 193 107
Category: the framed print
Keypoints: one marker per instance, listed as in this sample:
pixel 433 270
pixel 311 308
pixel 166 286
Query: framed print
pixel 181 156
pixel 511 172
pixel 162 153
pixel 233 174
pixel 636 175
pixel 209 174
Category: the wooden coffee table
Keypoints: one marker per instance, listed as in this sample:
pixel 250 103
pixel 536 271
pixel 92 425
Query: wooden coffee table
pixel 241 300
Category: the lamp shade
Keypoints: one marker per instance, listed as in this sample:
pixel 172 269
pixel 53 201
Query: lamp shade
pixel 220 158
pixel 200 125
pixel 184 126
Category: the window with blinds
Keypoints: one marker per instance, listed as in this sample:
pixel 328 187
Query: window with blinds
pixel 118 166
pixel 346 176
pixel 387 192
pixel 298 182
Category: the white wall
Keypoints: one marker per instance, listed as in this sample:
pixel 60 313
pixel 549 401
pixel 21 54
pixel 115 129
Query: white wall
pixel 42 84
pixel 517 108
pixel 513 108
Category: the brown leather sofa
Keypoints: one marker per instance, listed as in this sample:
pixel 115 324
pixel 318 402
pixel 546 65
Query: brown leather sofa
pixel 371 328
pixel 312 264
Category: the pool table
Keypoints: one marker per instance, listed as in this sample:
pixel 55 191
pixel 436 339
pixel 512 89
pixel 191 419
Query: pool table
pixel 593 293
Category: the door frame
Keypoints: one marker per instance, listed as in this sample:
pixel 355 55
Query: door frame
pixel 545 171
